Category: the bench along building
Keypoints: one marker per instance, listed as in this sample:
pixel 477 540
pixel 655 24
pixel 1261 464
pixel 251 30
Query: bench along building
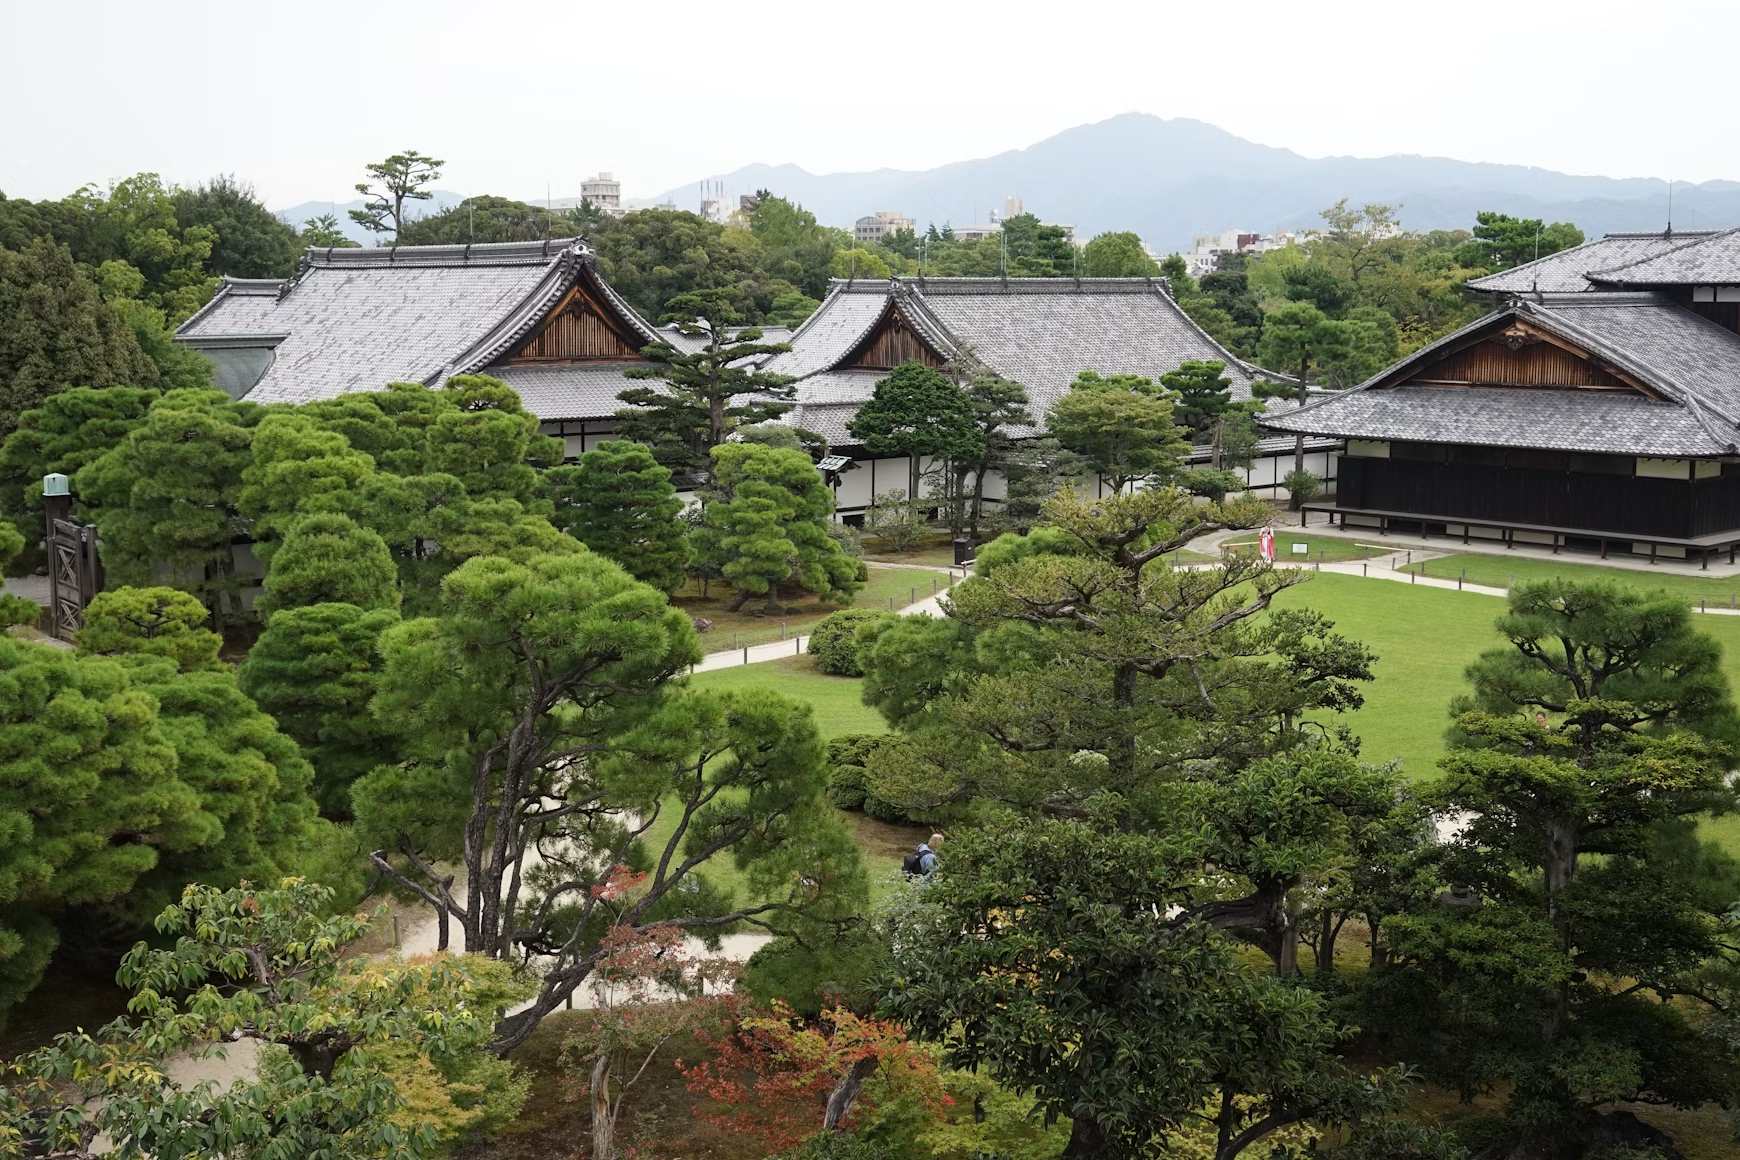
pixel 540 316
pixel 1598 407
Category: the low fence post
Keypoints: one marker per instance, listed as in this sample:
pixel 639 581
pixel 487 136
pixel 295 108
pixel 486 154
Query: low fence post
pixel 1460 579
pixel 1362 567
pixel 745 654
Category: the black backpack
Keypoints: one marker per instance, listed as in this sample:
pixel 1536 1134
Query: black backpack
pixel 912 865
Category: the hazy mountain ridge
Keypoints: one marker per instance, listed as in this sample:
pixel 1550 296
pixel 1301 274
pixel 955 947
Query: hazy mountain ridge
pixel 1172 179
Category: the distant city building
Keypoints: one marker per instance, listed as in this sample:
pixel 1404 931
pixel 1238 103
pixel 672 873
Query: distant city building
pixel 874 227
pixel 713 201
pixel 1011 208
pixel 748 203
pixel 1205 253
pixel 978 232
pixel 604 191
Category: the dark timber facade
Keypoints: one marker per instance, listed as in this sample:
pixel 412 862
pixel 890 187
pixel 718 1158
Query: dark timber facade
pixel 1602 412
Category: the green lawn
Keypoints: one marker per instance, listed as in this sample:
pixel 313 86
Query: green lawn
pixel 1424 639
pixel 933 547
pixel 887 588
pixel 1503 571
pixel 1320 549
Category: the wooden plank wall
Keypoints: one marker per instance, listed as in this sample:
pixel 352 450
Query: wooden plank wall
pixel 894 344
pixel 576 331
pixel 1539 364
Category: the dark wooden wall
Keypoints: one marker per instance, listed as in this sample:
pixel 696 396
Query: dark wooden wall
pixel 1538 364
pixel 577 330
pixel 893 344
pixel 1599 503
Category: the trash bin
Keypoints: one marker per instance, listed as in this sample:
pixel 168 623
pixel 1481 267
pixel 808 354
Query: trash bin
pixel 963 550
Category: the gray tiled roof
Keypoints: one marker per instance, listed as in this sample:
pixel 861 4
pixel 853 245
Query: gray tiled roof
pixel 1564 272
pixel 571 390
pixel 1040 332
pixel 1712 258
pixel 1692 362
pixel 357 319
pixel 844 317
pixel 1508 417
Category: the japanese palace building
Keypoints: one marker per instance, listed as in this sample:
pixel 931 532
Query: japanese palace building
pixel 539 316
pixel 1598 407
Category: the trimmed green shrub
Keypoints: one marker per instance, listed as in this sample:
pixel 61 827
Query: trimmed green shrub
pixel 848 754
pixel 1302 487
pixel 832 972
pixel 834 641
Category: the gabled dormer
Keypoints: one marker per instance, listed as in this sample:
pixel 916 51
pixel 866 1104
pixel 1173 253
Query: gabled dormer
pixel 1515 352
pixel 585 325
pixel 899 335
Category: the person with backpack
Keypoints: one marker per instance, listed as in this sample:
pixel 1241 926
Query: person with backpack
pixel 921 863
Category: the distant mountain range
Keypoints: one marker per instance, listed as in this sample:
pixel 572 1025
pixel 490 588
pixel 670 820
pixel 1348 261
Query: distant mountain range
pixel 1170 180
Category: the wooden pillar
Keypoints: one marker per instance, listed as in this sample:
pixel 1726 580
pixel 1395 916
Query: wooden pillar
pixel 1603 547
pixel 1555 543
pixel 1652 551
pixel 1507 539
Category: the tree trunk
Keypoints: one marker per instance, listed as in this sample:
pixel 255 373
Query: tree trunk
pixel 845 1092
pixel 1380 954
pixel 1086 1138
pixel 978 500
pixel 319 1057
pixel 603 1124
pixel 743 595
pixel 1215 453
pixel 1287 945
pixel 1299 440
pixel 1326 932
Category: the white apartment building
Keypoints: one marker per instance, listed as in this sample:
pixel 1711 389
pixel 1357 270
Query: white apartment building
pixel 874 227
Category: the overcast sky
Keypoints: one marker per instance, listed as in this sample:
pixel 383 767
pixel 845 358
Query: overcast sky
pixel 519 94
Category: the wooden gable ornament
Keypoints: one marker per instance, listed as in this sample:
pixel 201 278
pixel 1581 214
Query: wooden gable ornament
pixel 583 326
pixel 891 341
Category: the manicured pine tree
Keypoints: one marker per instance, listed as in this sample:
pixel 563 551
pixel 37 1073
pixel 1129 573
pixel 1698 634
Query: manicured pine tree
pixel 708 392
pixel 163 622
pixel 618 500
pixel 1586 745
pixel 315 670
pixel 1122 429
pixel 89 798
pixel 65 432
pixel 295 466
pixel 165 497
pixel 328 558
pixel 769 528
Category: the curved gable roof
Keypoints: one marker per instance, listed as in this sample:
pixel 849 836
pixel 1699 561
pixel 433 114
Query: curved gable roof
pixel 358 319
pixel 1691 363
